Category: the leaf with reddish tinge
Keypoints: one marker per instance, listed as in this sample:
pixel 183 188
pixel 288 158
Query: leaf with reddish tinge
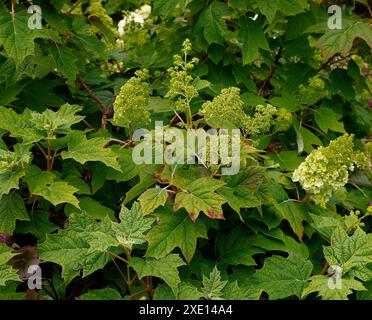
pixel 200 195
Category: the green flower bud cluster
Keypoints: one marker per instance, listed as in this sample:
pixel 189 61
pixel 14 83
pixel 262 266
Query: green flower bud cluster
pixel 181 82
pixel 313 92
pixel 283 120
pixel 327 168
pixel 369 211
pixel 134 36
pixel 266 118
pixel 225 111
pixel 130 105
pixel 96 9
pixel 261 121
pixel 354 219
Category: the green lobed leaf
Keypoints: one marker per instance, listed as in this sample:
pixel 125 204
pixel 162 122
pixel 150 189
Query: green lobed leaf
pixel 200 195
pixel 283 277
pixel 7 273
pixel 164 268
pixel 174 230
pixel 12 209
pixel 351 253
pixel 320 284
pixel 16 37
pixel 153 198
pixel 93 149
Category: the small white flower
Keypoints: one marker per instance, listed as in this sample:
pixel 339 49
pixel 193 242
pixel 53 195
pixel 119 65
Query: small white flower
pixel 145 11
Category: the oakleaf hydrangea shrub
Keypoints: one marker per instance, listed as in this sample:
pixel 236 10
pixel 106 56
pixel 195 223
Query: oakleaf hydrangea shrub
pixel 285 212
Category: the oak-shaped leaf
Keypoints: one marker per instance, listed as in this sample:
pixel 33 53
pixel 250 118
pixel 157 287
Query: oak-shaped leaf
pixel 48 186
pixel 341 40
pixel 83 150
pixel 164 268
pixel 237 248
pixel 200 195
pixel 174 230
pixel 70 248
pixel 153 198
pixel 131 230
pixel 283 277
pixel 213 285
pixel 16 37
pixel 12 209
pixel 351 253
pixel 333 291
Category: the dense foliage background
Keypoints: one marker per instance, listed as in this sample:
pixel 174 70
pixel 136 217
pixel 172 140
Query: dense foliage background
pixel 101 227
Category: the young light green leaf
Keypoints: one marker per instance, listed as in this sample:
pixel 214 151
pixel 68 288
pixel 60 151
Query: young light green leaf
pixel 133 226
pixel 58 122
pixel 320 284
pixel 186 291
pixel 232 291
pixel 351 253
pixel 153 198
pixel 213 285
pixel 130 231
pixel 19 125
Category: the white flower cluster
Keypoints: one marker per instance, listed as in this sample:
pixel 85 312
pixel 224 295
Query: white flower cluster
pixel 327 168
pixel 139 16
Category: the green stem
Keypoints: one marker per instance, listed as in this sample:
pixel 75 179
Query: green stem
pixel 188 114
pixel 118 257
pixel 49 155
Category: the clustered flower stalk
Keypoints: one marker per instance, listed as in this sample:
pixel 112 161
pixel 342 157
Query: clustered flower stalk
pixel 131 102
pixel 326 169
pixel 181 82
pixel 227 111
